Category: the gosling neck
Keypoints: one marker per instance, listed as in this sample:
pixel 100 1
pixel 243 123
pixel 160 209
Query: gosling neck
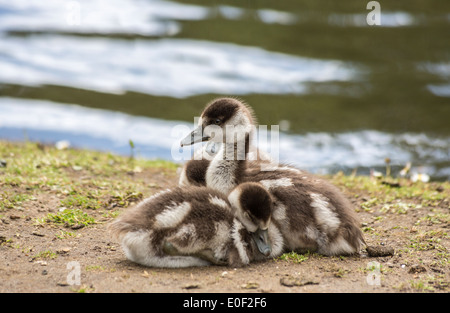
pixel 225 170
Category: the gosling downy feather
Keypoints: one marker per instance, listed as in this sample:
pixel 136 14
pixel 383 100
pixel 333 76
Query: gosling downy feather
pixel 310 212
pixel 195 226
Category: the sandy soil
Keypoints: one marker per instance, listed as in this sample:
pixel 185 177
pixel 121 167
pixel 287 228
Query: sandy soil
pixel 88 260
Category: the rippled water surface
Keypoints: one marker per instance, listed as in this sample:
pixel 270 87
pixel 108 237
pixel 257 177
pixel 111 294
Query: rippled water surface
pixel 345 94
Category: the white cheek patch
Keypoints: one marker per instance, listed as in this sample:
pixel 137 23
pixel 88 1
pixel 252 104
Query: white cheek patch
pixel 240 120
pixel 173 215
pixel 249 225
pixel 233 198
pixel 214 132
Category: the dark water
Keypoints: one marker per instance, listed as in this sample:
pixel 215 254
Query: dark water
pixel 347 95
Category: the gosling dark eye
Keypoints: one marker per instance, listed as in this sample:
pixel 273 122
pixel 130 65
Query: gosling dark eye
pixel 217 121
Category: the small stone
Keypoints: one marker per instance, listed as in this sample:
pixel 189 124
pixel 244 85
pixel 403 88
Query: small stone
pixel 3 163
pixel 437 270
pixel 14 217
pixel 417 268
pixel 250 285
pixel 77 168
pixel 191 286
pixel 64 250
pixel 62 284
pixel 62 144
pixel 44 272
pixel 379 251
pixel 77 226
pixel 290 281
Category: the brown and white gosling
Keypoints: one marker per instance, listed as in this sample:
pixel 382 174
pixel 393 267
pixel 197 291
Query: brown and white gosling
pixel 311 213
pixel 193 172
pixel 197 226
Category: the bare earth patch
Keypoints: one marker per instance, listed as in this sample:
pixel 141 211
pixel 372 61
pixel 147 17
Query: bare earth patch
pixel 55 204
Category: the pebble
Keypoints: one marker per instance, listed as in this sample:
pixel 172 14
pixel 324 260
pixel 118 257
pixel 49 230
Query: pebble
pixel 62 144
pixel 290 281
pixel 191 286
pixel 378 251
pixel 62 284
pixel 250 285
pixel 3 163
pixel 77 226
pixel 37 234
pixel 417 268
pixel 64 250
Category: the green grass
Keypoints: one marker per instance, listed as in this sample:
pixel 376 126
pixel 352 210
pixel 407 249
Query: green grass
pixel 10 200
pixel 69 217
pixel 294 257
pixel 47 254
pixel 409 195
pixel 83 181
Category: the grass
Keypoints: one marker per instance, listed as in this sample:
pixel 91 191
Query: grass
pixel 428 194
pixel 47 254
pixel 69 217
pixel 83 181
pixel 295 257
pixel 36 166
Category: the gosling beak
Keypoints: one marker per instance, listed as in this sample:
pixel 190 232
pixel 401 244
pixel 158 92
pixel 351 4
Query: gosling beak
pixel 194 137
pixel 261 238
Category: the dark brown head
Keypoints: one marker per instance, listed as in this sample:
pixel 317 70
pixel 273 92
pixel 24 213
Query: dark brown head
pixel 219 116
pixel 253 205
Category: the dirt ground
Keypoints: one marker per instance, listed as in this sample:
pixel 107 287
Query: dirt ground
pixel 54 258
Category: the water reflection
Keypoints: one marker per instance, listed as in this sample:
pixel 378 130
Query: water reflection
pixel 172 67
pixel 318 152
pixel 349 94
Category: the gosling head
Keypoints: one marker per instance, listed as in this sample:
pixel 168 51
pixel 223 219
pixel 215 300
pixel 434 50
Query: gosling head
pixel 253 205
pixel 221 119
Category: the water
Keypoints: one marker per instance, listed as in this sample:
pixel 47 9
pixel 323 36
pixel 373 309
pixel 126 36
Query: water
pixel 346 95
